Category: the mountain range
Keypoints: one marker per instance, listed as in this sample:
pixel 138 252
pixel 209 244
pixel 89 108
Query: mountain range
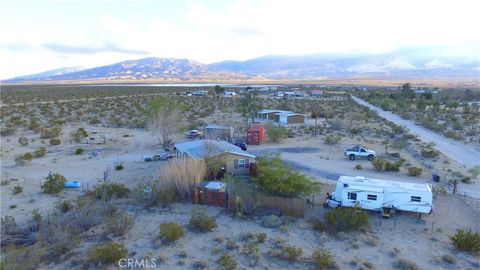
pixel 406 64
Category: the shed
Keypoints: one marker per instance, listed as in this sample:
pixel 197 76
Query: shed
pixel 256 134
pixel 290 118
pixel 214 132
pixel 269 114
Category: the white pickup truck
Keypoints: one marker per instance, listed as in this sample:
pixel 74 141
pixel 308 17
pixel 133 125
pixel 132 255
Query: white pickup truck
pixel 354 151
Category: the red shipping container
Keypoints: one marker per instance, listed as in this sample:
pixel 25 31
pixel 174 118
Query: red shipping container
pixel 255 134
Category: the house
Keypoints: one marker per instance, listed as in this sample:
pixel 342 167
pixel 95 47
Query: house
pixel 269 114
pixel 381 195
pixel 256 133
pixel 289 118
pixel 318 93
pixel 218 132
pixel 200 93
pixel 235 160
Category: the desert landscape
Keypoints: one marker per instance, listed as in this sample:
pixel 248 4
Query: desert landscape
pixel 254 240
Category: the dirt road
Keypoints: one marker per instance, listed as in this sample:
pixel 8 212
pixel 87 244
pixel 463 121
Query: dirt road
pixel 468 155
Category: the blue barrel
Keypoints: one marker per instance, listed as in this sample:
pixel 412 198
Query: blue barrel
pixel 72 184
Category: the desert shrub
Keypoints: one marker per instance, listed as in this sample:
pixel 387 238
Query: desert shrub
pixel 474 171
pixel 6 131
pixel 8 223
pixel 63 206
pixel 272 221
pixel 291 253
pixel 276 134
pixel 40 152
pixel 449 259
pixel 346 219
pixel 466 180
pixel 430 153
pixel 395 155
pixel 79 151
pixel 170 232
pixel 261 237
pixel 119 167
pixel 378 164
pixel 273 176
pixel 330 139
pixel 54 141
pixel 163 195
pixel 107 253
pixel 107 191
pixel 200 221
pixel 283 228
pixel 23 141
pixel 17 189
pixel 318 225
pixel 183 174
pixel 227 262
pixel 119 224
pixel 323 260
pixel 26 156
pixel 79 134
pixel 54 184
pixel 414 171
pixel 200 265
pixel 467 240
pixel 13 206
pixel 438 190
pixel 48 133
pixel 19 257
pixel 404 264
pixel 231 245
pixel 358 166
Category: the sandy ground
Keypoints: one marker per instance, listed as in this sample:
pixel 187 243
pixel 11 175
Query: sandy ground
pixel 468 155
pixel 423 243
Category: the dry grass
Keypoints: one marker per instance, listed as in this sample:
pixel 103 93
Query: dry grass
pixel 183 174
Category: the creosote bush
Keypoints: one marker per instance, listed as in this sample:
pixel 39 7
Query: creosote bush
pixel 414 171
pixel 227 262
pixel 467 240
pixel 17 189
pixel 404 264
pixel 107 253
pixel 107 191
pixel 119 167
pixel 54 141
pixel 346 219
pixel 119 224
pixel 40 152
pixel 79 151
pixel 323 260
pixel 291 253
pixel 63 206
pixel 200 221
pixel 54 184
pixel 171 231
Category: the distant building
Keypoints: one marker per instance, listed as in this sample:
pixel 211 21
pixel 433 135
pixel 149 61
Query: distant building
pixel 290 118
pixel 269 114
pixel 218 132
pixel 317 93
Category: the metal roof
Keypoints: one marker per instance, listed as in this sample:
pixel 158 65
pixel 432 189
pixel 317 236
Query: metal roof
pixel 264 111
pixel 216 126
pixel 366 183
pixel 209 148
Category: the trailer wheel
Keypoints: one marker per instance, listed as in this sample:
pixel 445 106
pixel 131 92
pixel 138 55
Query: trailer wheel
pixel 370 157
pixel 351 157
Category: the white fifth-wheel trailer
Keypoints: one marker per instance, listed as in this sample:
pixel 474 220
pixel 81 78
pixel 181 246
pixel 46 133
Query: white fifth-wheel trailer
pixel 382 195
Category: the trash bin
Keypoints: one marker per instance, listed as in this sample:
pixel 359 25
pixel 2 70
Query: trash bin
pixel 436 178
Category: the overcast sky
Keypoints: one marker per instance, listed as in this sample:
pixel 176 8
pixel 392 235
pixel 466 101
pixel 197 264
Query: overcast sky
pixel 39 35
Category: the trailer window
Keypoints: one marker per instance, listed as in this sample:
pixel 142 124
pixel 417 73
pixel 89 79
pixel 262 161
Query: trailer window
pixel 352 196
pixel 416 199
pixel 371 197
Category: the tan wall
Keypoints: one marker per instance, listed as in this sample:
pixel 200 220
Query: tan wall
pixel 229 160
pixel 296 119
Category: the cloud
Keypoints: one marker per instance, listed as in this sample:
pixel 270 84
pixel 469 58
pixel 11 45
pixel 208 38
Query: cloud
pixel 79 49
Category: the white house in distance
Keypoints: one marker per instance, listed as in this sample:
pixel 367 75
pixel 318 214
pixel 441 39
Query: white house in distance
pixel 281 116
pixel 378 195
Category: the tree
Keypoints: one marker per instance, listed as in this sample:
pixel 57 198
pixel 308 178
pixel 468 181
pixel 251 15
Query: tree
pixel 407 91
pixel 164 118
pixel 275 177
pixel 249 105
pixel 276 134
pixel 316 113
pixel 80 134
pixel 219 90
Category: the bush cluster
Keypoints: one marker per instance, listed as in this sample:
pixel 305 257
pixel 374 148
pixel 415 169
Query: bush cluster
pixel 323 260
pixel 291 253
pixel 199 220
pixel 170 232
pixel 54 184
pixel 430 153
pixel 79 151
pixel 346 219
pixel 107 191
pixel 381 164
pixel 120 224
pixel 227 262
pixel 467 240
pixel 40 152
pixel 414 171
pixel 107 253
